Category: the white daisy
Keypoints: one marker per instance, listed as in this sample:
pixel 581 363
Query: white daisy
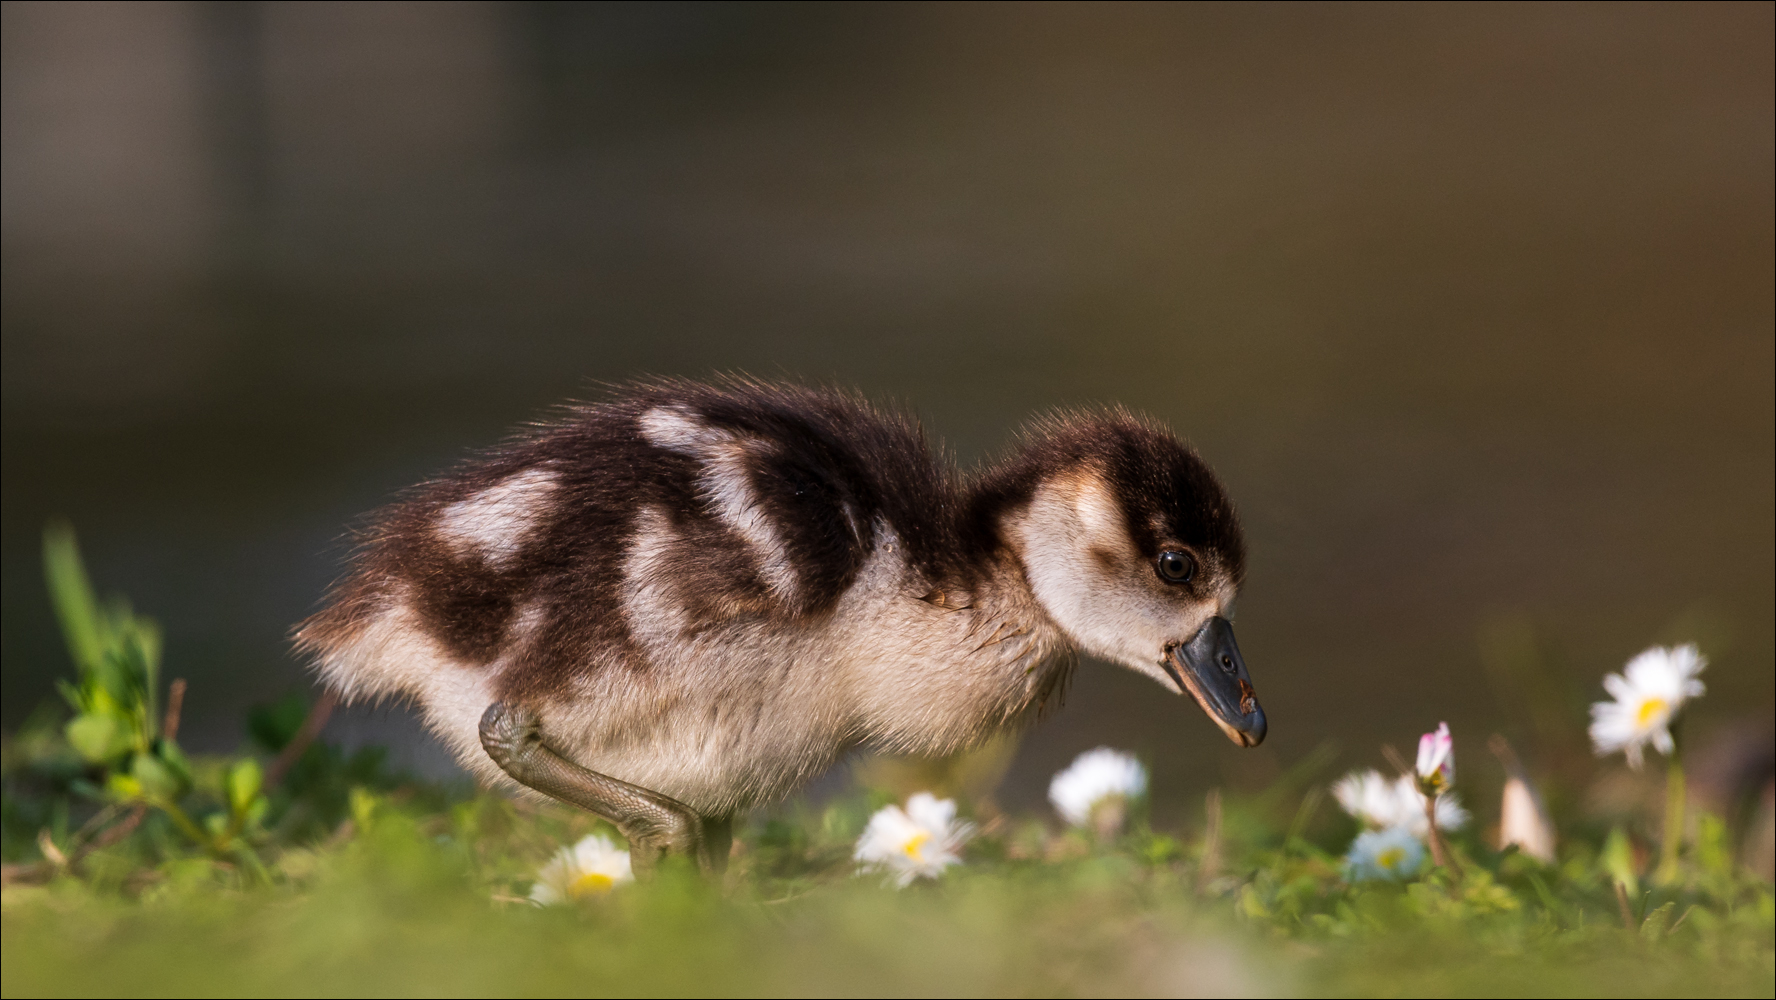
pixel 1097 779
pixel 1648 694
pixel 917 842
pixel 1383 854
pixel 589 868
pixel 1367 796
pixel 1395 804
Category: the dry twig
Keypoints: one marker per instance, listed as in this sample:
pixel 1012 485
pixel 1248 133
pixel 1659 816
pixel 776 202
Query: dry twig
pixel 298 745
pixel 169 730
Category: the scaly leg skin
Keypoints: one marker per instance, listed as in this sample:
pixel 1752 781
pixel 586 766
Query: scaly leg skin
pixel 653 823
pixel 718 841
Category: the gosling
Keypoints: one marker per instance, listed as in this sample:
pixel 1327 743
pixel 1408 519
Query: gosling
pixel 691 598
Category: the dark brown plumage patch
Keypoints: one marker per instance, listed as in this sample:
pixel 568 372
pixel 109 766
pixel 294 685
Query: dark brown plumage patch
pixel 719 581
pixel 469 606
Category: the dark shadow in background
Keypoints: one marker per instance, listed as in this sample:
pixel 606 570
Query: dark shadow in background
pixel 1470 305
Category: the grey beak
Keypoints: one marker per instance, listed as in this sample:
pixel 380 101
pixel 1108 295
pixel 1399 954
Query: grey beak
pixel 1209 666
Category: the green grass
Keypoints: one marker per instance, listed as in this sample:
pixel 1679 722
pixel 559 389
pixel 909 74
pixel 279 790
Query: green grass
pixel 346 879
pixel 417 893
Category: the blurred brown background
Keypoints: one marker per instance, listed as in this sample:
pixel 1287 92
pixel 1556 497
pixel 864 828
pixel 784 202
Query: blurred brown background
pixel 1471 306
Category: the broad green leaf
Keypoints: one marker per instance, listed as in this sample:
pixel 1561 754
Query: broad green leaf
pixel 102 702
pixel 97 737
pixel 1653 927
pixel 158 781
pixel 123 787
pixel 244 780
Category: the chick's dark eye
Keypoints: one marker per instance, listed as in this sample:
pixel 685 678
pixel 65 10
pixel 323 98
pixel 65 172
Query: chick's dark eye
pixel 1176 567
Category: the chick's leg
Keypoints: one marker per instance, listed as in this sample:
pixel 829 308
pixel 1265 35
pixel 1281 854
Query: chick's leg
pixel 654 823
pixel 718 841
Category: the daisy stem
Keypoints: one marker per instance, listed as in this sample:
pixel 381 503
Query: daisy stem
pixel 1674 822
pixel 1439 854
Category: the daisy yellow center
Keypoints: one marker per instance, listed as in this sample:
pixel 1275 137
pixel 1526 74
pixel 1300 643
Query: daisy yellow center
pixel 915 844
pixel 1391 858
pixel 590 884
pixel 1651 711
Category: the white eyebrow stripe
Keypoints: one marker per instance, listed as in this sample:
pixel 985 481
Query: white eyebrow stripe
pixel 726 480
pixel 496 522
